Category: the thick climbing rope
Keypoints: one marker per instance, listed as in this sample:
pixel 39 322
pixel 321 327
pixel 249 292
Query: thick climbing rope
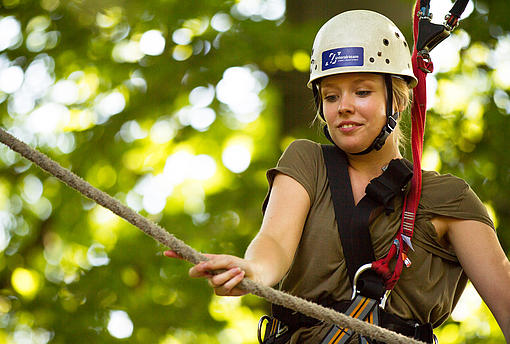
pixel 188 253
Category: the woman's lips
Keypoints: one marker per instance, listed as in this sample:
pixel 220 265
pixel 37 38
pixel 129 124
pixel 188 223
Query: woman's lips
pixel 348 126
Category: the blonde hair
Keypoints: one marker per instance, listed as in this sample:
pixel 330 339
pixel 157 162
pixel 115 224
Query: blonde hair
pixel 402 96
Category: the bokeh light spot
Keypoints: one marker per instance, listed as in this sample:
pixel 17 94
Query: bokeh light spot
pixel 10 32
pixel 97 255
pixel 109 104
pixel 182 36
pixel 127 51
pixel 32 189
pixel 202 96
pixel 162 131
pixel 301 60
pixel 182 52
pixel 152 43
pixel 120 325
pixel 25 282
pixel 11 79
pixel 221 22
pixel 236 157
pixel 65 92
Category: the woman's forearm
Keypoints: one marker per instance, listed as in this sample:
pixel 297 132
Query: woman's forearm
pixel 271 261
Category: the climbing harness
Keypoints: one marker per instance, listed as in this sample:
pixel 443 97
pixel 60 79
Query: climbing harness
pixel 369 292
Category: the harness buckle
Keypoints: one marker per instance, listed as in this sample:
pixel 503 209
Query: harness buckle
pixel 451 21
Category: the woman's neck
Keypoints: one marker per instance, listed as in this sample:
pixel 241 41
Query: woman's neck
pixel 371 164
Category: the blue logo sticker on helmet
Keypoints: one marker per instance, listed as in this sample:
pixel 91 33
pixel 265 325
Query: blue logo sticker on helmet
pixel 342 57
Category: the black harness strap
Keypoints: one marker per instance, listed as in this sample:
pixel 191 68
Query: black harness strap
pixel 353 228
pixel 356 243
pixel 353 220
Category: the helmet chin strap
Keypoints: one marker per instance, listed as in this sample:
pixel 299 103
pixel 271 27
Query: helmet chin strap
pixel 391 120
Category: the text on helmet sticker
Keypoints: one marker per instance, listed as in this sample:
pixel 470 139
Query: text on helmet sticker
pixel 342 57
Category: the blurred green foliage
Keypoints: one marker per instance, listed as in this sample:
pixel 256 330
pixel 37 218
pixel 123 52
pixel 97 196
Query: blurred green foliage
pixel 177 108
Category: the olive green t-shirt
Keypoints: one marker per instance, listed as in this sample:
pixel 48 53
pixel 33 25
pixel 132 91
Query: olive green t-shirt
pixel 427 290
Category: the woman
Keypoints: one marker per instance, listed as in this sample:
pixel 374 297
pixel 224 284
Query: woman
pixel 360 61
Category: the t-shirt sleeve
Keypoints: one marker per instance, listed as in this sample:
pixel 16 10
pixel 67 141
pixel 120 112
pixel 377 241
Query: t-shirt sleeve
pixel 447 195
pixel 299 161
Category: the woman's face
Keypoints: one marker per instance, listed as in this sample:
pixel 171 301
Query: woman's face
pixel 354 106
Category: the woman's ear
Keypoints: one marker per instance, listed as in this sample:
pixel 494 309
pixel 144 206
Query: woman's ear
pixel 398 107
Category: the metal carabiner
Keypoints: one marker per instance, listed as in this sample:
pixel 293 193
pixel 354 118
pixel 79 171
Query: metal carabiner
pixel 259 327
pixel 362 269
pixel 358 273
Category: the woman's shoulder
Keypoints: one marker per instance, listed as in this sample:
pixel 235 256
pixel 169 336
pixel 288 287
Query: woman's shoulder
pixel 433 179
pixel 304 144
pixel 448 195
pixel 437 186
pixel 302 149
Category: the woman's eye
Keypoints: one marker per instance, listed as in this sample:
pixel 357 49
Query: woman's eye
pixel 330 98
pixel 363 93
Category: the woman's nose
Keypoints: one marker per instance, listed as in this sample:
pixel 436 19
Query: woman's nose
pixel 345 105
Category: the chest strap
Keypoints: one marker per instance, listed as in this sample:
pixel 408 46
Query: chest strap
pixel 353 220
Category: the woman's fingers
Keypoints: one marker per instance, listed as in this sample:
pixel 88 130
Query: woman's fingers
pixel 200 270
pixel 225 283
pixel 172 254
pixel 231 285
pixel 215 263
pixel 223 278
pixel 228 272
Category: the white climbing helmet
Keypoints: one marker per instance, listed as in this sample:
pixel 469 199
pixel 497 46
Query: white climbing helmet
pixel 360 41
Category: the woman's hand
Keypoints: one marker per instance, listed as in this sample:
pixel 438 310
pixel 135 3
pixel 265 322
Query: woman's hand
pixel 223 272
pixel 271 252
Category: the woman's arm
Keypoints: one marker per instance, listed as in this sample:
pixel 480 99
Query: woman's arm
pixel 271 252
pixel 274 246
pixel 480 254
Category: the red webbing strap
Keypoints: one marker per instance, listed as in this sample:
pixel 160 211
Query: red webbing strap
pixel 402 241
pixel 418 114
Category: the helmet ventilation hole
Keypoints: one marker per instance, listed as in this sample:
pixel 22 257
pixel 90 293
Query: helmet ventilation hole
pixel 405 44
pixel 379 54
pixel 396 34
pixel 371 59
pixel 386 42
pixel 388 61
